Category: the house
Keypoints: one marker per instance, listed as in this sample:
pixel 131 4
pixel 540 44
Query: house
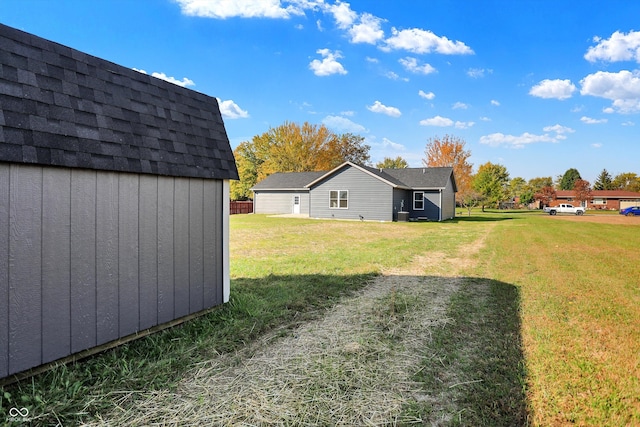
pixel 352 191
pixel 114 199
pixel 601 199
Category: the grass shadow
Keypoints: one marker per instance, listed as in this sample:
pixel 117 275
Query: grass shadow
pixel 481 352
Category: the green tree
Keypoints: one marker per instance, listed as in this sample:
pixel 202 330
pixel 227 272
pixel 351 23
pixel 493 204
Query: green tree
pixel 491 182
pixel 536 184
pixel 627 181
pixel 604 181
pixel 569 178
pixel 389 163
pixel 248 164
pixel 517 186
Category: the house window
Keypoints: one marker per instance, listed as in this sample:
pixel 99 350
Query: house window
pixel 599 201
pixel 339 199
pixel 418 200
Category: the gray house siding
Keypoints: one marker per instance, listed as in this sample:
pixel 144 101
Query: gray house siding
pixel 92 256
pixel 280 201
pixel 448 202
pixel 369 197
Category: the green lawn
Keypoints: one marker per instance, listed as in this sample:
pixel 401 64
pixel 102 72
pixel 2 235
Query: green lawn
pixel 546 320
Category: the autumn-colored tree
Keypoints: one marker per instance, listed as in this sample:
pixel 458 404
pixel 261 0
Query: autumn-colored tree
pixel 389 163
pixel 491 182
pixel 450 151
pixel 627 181
pixel 582 191
pixel 291 147
pixel 545 195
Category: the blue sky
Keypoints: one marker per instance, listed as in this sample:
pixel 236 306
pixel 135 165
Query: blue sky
pixel 537 86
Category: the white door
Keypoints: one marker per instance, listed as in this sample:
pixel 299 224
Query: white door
pixel 296 204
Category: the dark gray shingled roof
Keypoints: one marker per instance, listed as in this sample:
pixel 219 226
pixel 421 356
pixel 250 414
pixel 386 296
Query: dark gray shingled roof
pixel 408 178
pixel 62 107
pixel 287 181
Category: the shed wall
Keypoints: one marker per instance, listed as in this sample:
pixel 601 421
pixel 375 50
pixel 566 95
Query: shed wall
pixel 87 257
pixel 368 196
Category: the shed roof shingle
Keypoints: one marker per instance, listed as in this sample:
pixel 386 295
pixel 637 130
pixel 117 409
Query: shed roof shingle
pixel 62 107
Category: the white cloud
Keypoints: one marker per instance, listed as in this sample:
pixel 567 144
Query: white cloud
pixel 485 119
pixel 495 103
pixel 623 88
pixel 592 121
pixel 329 64
pixel 319 25
pixel 387 143
pixel 412 64
pixel 222 9
pixel 231 110
pixel 464 125
pixel 422 41
pixel 425 95
pixel 556 89
pixel 391 75
pixel 619 47
pixel 343 124
pixel 478 73
pixel 162 76
pixel 378 107
pixel 343 14
pixel 628 123
pixel 347 113
pixel 559 129
pixel 596 145
pixel 372 60
pixel 459 106
pixel 367 31
pixel 437 121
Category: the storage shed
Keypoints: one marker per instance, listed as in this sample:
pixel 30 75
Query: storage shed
pixel 114 202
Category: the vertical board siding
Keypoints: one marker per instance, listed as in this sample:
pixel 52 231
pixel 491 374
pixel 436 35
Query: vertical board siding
pixel 83 259
pixel 181 247
pixel 56 264
pixel 196 242
pixel 4 269
pixel 25 267
pixel 88 257
pixel 209 260
pixel 107 235
pixel 128 287
pixel 148 251
pixel 166 203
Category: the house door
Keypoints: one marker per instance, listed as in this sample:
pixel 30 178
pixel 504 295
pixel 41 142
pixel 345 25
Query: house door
pixel 296 204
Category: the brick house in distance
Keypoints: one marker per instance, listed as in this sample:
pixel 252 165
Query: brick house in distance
pixel 600 199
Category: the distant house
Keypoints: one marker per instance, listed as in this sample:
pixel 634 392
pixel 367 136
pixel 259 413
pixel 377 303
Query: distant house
pixel 601 199
pixel 352 191
pixel 114 202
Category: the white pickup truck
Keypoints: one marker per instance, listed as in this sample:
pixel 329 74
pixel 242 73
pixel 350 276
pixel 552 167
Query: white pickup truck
pixel 564 208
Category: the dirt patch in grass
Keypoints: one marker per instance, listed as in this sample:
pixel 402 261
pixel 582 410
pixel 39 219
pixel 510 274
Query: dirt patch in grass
pixel 357 365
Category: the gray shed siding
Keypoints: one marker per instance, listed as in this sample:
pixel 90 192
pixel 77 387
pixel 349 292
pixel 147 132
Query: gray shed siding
pixel 369 197
pixel 89 256
pixel 448 202
pixel 279 201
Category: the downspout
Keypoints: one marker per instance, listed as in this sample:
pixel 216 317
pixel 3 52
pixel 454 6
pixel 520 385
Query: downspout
pixel 440 210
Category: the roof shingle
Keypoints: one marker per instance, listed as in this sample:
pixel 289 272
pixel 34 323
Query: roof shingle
pixel 62 107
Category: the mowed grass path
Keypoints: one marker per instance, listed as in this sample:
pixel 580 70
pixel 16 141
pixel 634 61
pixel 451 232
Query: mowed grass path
pixel 579 285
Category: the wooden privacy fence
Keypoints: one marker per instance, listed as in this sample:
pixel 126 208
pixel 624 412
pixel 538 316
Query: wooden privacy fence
pixel 241 207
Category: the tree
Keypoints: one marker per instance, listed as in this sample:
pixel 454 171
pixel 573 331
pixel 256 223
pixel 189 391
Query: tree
pixel 491 182
pixel 389 163
pixel 582 191
pixel 536 184
pixel 450 151
pixel 627 181
pixel 604 181
pixel 517 186
pixel 291 147
pixel 545 195
pixel 569 178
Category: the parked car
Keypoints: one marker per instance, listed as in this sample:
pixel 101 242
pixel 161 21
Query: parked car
pixel 631 210
pixel 564 208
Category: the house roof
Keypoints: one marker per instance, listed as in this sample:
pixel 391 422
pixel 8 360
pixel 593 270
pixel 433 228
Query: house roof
pixel 609 194
pixel 62 107
pixel 408 178
pixel 288 181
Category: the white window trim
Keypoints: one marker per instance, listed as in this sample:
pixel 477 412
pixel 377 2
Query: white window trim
pixel 338 191
pixel 414 201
